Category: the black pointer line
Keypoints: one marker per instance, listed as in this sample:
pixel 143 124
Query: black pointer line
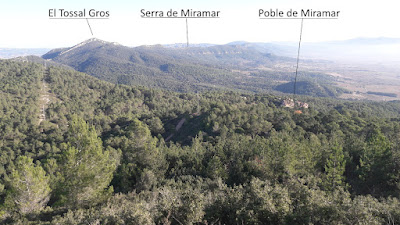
pixel 297 65
pixel 89 26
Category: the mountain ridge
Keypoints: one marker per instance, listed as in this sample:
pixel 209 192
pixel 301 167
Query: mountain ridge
pixel 240 66
pixel 180 69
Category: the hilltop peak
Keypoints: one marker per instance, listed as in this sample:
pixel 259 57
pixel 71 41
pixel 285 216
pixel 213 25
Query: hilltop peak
pixel 96 40
pixel 88 41
pixel 83 46
pixel 92 40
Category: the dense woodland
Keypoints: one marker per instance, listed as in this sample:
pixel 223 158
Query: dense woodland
pixel 112 154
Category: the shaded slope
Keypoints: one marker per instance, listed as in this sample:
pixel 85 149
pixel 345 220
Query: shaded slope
pixel 311 88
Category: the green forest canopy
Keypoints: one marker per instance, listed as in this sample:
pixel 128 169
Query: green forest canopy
pixel 101 156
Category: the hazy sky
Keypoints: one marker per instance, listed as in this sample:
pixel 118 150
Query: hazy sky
pixel 25 23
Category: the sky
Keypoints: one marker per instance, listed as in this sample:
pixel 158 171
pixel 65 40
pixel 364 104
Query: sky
pixel 26 23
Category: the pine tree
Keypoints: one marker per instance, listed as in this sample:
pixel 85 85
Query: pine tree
pixel 334 169
pixel 86 168
pixel 215 168
pixel 29 189
pixel 140 154
pixel 376 168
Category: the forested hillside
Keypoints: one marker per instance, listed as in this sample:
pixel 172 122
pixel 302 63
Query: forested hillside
pixel 243 68
pixel 115 154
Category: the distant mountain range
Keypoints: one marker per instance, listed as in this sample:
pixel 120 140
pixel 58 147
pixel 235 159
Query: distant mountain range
pixel 367 50
pixel 229 54
pixel 361 47
pixel 238 65
pixel 173 68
